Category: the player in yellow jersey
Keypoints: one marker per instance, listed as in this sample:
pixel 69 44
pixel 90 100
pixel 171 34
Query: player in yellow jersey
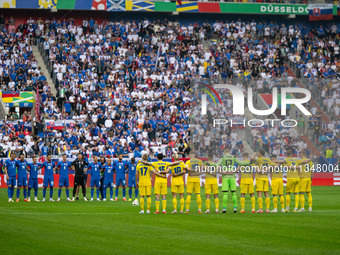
pixel 177 183
pixel 193 182
pixel 211 185
pixel 277 186
pixel 247 183
pixel 293 179
pixel 306 175
pixel 262 182
pixel 143 181
pixel 161 184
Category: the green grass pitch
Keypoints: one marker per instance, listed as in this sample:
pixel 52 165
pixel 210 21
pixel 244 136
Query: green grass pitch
pixel 116 228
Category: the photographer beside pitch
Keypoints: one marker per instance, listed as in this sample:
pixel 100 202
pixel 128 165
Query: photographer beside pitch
pixel 79 167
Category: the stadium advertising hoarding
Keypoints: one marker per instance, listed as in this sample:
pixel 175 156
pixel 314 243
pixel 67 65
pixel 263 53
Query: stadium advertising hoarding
pixel 161 6
pixel 284 9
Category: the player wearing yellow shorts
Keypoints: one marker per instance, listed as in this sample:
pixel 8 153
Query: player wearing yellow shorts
pixel 293 179
pixel 143 181
pixel 161 184
pixel 247 183
pixel 262 182
pixel 277 187
pixel 193 182
pixel 211 185
pixel 177 184
pixel 305 174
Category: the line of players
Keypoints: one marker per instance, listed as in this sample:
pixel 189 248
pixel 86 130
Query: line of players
pixel 298 182
pixel 16 175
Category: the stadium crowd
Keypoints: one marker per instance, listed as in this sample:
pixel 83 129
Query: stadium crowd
pixel 126 83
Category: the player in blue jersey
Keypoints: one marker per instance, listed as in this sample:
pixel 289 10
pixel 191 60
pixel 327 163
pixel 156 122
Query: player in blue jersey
pixel 120 167
pixel 33 168
pixel 11 173
pixel 132 166
pixel 94 168
pixel 108 178
pixel 102 177
pixel 22 176
pixel 63 167
pixel 48 177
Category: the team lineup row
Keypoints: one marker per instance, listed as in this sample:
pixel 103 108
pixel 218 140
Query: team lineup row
pixel 140 179
pixel 101 176
pixel 298 183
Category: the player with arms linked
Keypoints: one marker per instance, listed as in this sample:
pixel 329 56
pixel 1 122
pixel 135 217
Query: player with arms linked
pixel 94 168
pixel 79 167
pixel 22 176
pixel 48 177
pixel 193 181
pixel 306 175
pixel 293 179
pixel 33 168
pixel 177 183
pixel 211 184
pixel 143 182
pixel 108 178
pixel 262 181
pixel 228 177
pixel 120 167
pixel 132 166
pixel 63 167
pixel 161 184
pixel 11 174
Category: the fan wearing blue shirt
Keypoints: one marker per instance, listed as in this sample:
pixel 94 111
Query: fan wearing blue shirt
pixel 11 173
pixel 48 177
pixel 44 150
pixel 108 178
pixel 120 170
pixel 94 168
pixel 63 167
pixel 132 166
pixel 33 168
pixel 22 176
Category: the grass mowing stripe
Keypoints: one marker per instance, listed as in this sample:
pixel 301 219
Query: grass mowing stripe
pixel 115 227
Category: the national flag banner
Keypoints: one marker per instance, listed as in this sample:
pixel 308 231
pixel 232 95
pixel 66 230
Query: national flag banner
pixel 55 125
pixel 49 124
pixel 209 7
pixel 7 4
pixel 143 6
pixel 18 99
pixel 116 5
pixel 338 9
pixel 187 7
pixel 48 4
pixel 99 5
pixel 320 12
pixel 27 4
pixel 83 5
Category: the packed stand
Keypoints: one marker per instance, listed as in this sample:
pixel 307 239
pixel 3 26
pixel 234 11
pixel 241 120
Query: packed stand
pixel 113 76
pixel 316 55
pixel 19 71
pixel 124 58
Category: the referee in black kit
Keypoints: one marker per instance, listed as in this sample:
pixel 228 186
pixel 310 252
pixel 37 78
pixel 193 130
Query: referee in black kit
pixel 79 167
